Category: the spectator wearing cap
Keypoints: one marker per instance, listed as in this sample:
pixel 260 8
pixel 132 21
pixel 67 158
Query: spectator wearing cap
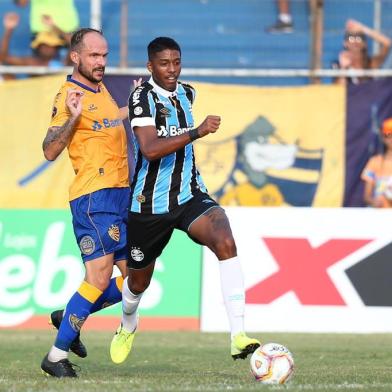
pixel 46 45
pixel 377 174
pixel 355 54
pixel 63 14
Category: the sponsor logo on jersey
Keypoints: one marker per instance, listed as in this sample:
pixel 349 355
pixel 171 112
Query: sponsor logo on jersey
pixel 172 131
pixel 136 96
pixel 114 232
pixel 87 245
pixel 137 254
pixel 138 110
pixel 56 98
pixel 76 322
pixel 165 111
pixel 106 123
pixel 92 107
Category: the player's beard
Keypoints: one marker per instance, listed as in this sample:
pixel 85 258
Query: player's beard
pixel 89 75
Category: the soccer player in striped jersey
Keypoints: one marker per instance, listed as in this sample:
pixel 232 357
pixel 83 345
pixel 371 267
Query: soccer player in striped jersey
pixel 168 193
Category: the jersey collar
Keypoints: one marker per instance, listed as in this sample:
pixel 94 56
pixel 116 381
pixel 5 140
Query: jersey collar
pixel 162 91
pixel 69 79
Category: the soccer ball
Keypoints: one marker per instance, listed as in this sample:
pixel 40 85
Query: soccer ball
pixel 272 363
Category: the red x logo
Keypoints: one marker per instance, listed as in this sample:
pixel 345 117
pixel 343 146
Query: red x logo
pixel 303 270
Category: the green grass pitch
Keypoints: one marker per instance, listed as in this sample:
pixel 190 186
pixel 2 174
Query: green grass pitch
pixel 189 361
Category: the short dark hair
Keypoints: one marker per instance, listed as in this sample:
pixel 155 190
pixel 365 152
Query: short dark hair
pixel 161 43
pixel 77 37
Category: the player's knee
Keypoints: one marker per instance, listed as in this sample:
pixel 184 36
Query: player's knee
pixel 138 286
pixel 225 247
pixel 100 282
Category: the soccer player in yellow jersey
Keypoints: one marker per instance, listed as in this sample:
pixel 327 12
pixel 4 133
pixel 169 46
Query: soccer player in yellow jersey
pixel 88 122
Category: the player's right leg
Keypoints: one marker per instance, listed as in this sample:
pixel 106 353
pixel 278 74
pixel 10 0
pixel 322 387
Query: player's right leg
pixel 77 347
pixel 98 273
pixel 133 288
pixel 147 236
pixel 111 296
pixel 56 362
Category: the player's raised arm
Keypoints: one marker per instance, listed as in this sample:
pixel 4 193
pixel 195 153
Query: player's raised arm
pixel 58 137
pixel 154 147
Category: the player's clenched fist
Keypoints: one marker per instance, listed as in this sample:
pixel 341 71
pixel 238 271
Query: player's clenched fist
pixel 74 102
pixel 209 125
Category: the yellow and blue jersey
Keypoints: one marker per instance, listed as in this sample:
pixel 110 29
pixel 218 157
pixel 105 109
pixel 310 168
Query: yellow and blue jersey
pixel 98 147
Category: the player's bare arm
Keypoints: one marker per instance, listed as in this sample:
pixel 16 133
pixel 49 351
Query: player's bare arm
pixel 153 147
pixel 57 138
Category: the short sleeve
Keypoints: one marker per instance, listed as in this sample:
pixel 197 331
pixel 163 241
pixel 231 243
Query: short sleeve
pixel 141 107
pixel 60 113
pixel 190 92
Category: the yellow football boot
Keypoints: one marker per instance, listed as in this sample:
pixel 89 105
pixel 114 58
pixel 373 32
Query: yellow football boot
pixel 121 345
pixel 242 346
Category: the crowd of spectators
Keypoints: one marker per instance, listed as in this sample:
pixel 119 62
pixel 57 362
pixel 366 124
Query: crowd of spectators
pixel 51 24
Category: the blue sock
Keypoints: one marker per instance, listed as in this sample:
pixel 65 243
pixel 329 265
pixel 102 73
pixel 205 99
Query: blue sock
pixel 77 310
pixel 111 296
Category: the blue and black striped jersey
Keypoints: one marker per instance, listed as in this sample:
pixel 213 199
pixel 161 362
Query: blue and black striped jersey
pixel 159 186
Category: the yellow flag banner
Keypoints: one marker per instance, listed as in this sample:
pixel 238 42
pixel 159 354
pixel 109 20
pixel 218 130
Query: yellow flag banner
pixel 27 180
pixel 275 147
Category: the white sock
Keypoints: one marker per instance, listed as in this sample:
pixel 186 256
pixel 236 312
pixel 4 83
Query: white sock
pixel 232 284
pixel 55 354
pixel 130 303
pixel 285 18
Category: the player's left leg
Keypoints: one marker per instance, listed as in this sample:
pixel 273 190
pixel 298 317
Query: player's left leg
pixel 212 229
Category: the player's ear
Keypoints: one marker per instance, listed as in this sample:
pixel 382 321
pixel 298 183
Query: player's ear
pixel 149 66
pixel 74 56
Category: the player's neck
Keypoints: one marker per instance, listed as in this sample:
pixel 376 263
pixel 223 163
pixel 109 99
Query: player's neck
pixel 81 79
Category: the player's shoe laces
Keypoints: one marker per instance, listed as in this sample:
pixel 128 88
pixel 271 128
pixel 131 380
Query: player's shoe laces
pixel 77 347
pixel 242 346
pixel 60 369
pixel 121 345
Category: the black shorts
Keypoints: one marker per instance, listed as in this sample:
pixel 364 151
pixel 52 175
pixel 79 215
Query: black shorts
pixel 148 234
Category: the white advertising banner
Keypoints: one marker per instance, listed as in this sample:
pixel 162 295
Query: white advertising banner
pixel 307 270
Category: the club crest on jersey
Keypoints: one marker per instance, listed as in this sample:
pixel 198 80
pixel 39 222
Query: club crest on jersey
pixel 137 254
pixel 92 107
pixel 87 245
pixel 114 232
pixel 141 198
pixel 76 322
pixel 138 110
